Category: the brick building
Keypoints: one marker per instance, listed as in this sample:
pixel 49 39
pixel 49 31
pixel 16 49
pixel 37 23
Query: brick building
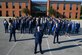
pixel 13 7
pixel 64 9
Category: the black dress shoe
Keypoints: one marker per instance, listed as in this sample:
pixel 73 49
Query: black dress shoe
pixel 58 42
pixel 41 52
pixel 15 40
pixel 54 42
pixel 35 52
pixel 9 40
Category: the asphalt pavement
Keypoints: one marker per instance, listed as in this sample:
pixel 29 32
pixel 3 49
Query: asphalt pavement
pixel 25 44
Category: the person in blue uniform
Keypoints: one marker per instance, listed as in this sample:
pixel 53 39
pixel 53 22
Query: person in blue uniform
pixel 22 26
pixel 30 26
pixel 77 27
pixel 68 29
pixel 50 27
pixel 73 27
pixel 12 32
pixel 38 39
pixel 56 33
pixel 5 22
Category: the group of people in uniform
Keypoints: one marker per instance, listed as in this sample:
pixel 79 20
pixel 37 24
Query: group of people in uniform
pixel 40 26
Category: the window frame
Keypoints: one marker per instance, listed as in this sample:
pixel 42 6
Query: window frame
pixel 77 6
pixel 58 6
pixel 64 14
pixel 20 5
pixel 64 7
pixel 13 12
pixel 70 15
pixel 76 15
pixel 71 5
pixel 0 5
pixel 7 13
pixel 13 5
pixel 26 5
pixel 0 13
pixel 20 13
pixel 6 4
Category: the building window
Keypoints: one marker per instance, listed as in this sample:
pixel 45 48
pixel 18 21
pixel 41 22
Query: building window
pixel 70 6
pixel 0 5
pixel 7 13
pixel 13 13
pixel 13 5
pixel 57 15
pixel 0 13
pixel 76 15
pixel 63 14
pixel 20 4
pixel 64 7
pixel 20 13
pixel 26 5
pixel 70 14
pixel 58 6
pixel 77 7
pixel 6 4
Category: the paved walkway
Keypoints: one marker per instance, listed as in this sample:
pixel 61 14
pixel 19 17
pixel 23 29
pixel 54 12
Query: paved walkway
pixel 25 44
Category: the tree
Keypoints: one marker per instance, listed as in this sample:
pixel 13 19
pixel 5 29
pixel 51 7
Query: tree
pixel 25 10
pixel 51 11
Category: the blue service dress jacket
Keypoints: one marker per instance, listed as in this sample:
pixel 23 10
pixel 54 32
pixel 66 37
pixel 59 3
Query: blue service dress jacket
pixel 38 37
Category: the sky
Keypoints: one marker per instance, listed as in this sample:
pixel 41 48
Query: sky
pixel 57 0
